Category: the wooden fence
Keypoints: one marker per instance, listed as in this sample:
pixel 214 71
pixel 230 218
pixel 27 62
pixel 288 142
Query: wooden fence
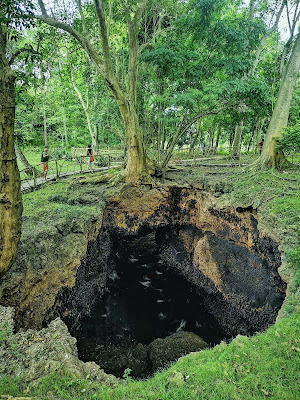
pixel 32 178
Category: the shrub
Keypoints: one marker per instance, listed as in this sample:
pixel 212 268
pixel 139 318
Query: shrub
pixel 291 139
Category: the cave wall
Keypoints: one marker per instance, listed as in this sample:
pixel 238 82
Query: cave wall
pixel 48 260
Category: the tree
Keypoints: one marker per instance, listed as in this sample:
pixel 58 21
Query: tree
pixel 124 90
pixel 203 68
pixel 271 156
pixel 11 19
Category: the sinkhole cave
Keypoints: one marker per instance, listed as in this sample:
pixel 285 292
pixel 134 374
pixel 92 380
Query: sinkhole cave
pixel 169 273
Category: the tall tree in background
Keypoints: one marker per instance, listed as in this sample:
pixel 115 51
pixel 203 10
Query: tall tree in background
pixel 11 18
pixel 270 157
pixel 122 88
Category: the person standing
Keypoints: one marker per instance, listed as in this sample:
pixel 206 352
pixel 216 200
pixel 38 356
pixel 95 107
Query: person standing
pixel 90 157
pixel 44 161
pixel 261 145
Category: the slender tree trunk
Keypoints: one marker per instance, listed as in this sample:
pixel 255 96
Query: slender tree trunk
pixel 65 123
pixel 259 128
pixel 270 157
pixel 45 125
pixel 28 169
pixel 217 139
pixel 85 106
pixel 120 135
pixel 237 139
pixel 253 135
pixel 164 135
pixel 193 142
pixel 158 142
pixel 211 137
pixel 10 191
pixel 97 135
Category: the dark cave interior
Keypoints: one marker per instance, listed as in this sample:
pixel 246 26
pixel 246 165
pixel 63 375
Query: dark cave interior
pixel 152 290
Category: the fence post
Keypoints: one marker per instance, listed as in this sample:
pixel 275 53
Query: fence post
pixel 56 167
pixel 34 178
pixel 80 162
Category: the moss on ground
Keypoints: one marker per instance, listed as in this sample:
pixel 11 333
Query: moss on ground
pixel 65 202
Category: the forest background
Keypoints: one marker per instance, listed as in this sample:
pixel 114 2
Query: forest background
pixel 208 72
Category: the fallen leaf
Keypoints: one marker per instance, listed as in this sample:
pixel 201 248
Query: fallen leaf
pixel 265 392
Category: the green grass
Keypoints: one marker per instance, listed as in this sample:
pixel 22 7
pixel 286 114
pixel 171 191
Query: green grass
pixel 276 196
pixel 264 366
pixel 33 155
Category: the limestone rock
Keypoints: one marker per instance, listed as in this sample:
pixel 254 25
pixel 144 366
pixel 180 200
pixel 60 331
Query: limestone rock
pixel 164 351
pixel 204 261
pixel 7 317
pixel 176 379
pixel 33 354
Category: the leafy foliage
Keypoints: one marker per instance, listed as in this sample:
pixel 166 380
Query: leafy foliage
pixel 16 13
pixel 291 139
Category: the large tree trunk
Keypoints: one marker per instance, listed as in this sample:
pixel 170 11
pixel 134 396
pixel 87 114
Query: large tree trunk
pixel 137 166
pixel 270 157
pixel 10 191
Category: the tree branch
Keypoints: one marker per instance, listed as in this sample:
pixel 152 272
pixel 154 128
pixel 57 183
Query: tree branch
pixel 251 9
pixel 185 125
pixel 109 16
pixel 42 7
pixel 104 38
pixel 266 35
pixel 84 30
pixel 83 41
pixel 3 42
pixel 20 51
pixel 133 29
pixel 292 27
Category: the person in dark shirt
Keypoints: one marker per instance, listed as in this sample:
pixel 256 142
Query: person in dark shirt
pixel 44 161
pixel 90 157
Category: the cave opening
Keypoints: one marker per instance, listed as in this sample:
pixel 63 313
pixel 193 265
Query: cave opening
pixel 157 305
pixel 145 299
